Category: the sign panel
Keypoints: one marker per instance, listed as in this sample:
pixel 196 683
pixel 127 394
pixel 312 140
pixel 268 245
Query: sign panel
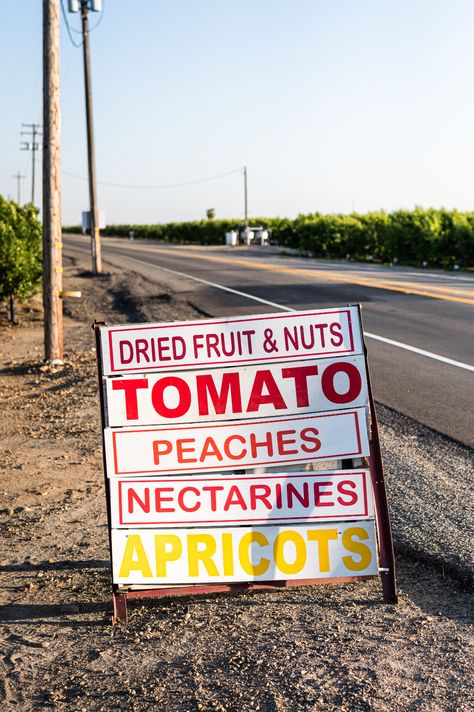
pixel 253 339
pixel 240 392
pixel 250 499
pixel 237 445
pixel 226 554
pixel 187 405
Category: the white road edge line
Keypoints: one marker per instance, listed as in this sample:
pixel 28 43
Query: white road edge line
pixel 421 352
pixel 391 342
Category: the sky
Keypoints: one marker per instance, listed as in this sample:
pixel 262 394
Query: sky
pixel 333 106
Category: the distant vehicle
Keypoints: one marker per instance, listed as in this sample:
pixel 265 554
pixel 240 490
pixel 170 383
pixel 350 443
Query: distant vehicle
pixel 254 235
pixel 249 235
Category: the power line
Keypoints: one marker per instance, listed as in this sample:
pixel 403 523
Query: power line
pixel 158 187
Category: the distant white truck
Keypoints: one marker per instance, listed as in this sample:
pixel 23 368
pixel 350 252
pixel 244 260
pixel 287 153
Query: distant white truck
pixel 247 236
pixel 255 234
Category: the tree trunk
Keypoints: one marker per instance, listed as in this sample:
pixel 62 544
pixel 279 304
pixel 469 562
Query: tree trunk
pixel 12 310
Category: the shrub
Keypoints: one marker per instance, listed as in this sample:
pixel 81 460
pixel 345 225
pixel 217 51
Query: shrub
pixel 20 251
pixel 440 237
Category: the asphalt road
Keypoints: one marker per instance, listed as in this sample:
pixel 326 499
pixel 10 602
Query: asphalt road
pixel 421 310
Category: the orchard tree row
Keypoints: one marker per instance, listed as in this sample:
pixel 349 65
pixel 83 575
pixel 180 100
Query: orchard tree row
pixel 440 238
pixel 20 253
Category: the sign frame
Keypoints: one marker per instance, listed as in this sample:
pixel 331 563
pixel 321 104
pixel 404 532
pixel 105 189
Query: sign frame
pixel 386 558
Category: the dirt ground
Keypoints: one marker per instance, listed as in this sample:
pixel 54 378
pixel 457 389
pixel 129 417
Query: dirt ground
pixel 310 648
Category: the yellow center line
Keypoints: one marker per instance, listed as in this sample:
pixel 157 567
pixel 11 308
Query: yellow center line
pixel 431 287
pixel 433 291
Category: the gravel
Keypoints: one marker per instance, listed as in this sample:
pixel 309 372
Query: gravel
pixel 322 647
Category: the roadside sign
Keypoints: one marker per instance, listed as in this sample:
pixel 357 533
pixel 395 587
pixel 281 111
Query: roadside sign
pixel 86 220
pixel 215 435
pixel 241 499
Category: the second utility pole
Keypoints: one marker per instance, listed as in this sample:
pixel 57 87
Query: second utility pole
pixel 33 147
pixel 245 197
pixel 18 177
pixel 94 211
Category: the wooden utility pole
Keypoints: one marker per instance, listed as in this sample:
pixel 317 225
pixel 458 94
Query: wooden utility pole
pixel 245 197
pixel 18 177
pixel 33 146
pixel 52 242
pixel 94 210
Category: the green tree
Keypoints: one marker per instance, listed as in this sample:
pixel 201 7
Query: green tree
pixel 20 252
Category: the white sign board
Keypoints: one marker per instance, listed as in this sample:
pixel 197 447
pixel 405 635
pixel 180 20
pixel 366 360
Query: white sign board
pixel 232 554
pixel 203 420
pixel 86 220
pixel 250 499
pixel 254 339
pixel 242 444
pixel 259 391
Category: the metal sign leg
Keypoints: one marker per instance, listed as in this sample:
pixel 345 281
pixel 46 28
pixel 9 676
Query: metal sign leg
pixel 120 608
